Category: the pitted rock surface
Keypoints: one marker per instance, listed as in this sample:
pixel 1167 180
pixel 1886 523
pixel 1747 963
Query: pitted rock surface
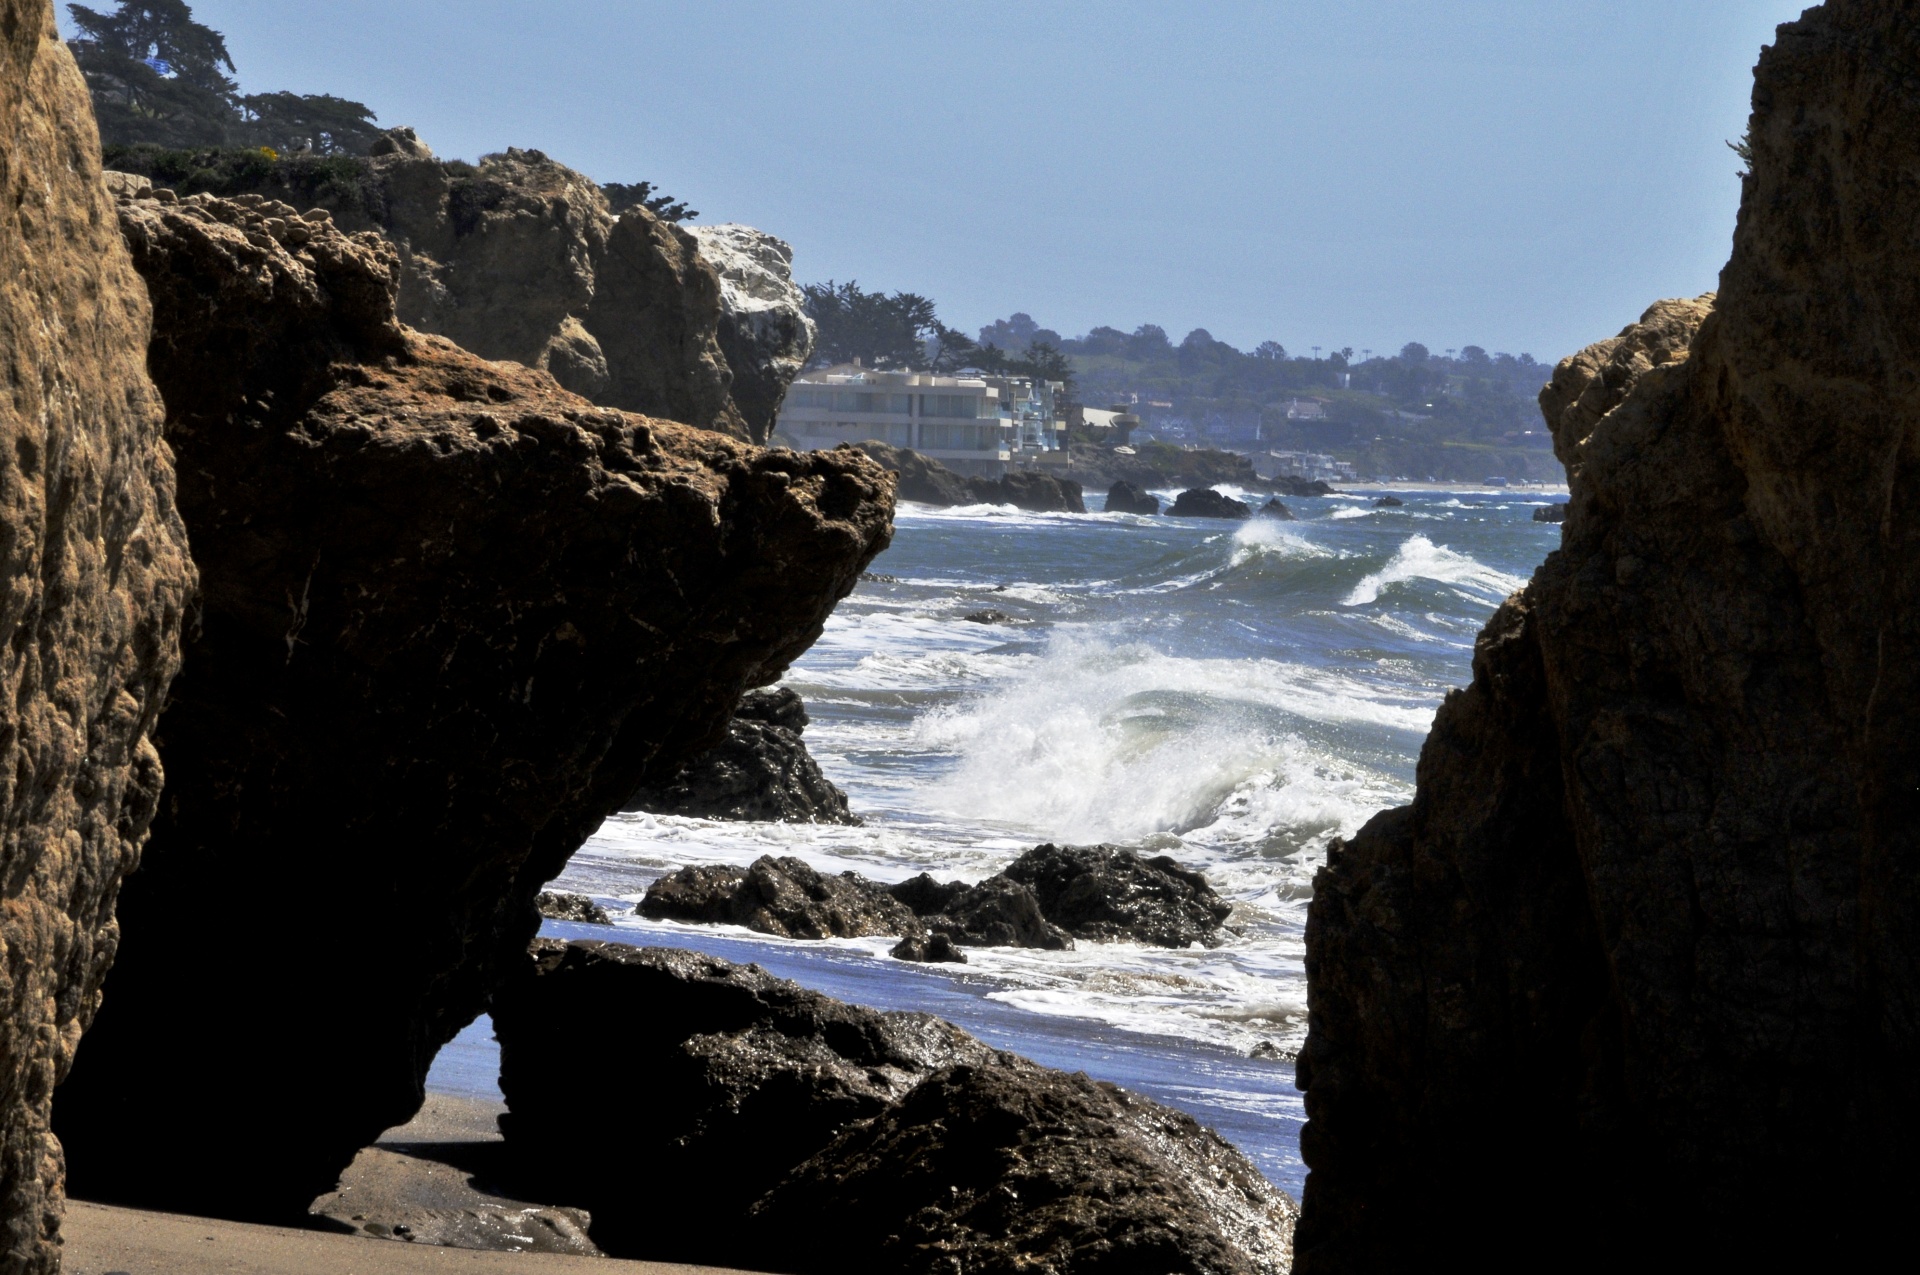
pixel 451 616
pixel 93 559
pixel 782 896
pixel 762 771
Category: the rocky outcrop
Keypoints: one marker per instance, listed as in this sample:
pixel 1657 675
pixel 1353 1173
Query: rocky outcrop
pixel 1125 498
pixel 781 896
pixel 451 617
pixel 1550 513
pixel 1107 894
pixel 1205 502
pixel 1645 945
pixel 96 580
pixel 557 905
pixel 928 482
pixel 952 1155
pixel 764 330
pixel 1388 502
pixel 519 257
pixel 1274 509
pixel 761 771
pixel 998 912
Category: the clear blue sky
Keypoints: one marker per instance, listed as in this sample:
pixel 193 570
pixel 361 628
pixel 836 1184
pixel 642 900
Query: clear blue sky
pixel 1518 174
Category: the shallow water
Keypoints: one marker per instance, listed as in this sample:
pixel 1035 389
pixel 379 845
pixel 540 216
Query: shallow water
pixel 1234 695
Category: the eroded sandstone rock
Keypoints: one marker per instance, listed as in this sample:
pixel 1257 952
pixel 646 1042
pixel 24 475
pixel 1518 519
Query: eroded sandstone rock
pixel 804 1134
pixel 452 616
pixel 96 580
pixel 1644 948
pixel 765 332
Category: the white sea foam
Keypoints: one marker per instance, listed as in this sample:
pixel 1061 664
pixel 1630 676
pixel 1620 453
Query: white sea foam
pixel 1418 558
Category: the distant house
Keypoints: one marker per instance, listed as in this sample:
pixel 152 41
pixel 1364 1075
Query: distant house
pixel 1303 465
pixel 973 425
pixel 1306 409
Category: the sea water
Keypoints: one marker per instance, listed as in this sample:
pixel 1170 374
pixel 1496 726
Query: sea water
pixel 1235 695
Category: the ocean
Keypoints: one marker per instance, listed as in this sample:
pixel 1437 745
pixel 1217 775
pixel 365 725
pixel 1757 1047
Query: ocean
pixel 1232 694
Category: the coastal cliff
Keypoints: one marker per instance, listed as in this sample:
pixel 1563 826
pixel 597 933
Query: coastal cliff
pixel 452 616
pixel 96 578
pixel 1637 971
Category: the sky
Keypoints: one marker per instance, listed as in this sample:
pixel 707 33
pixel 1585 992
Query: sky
pixel 1523 175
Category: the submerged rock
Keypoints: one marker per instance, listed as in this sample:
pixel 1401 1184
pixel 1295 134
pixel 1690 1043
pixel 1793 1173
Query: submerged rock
pixel 1647 943
pixel 988 616
pixel 783 896
pixel 847 1139
pixel 764 330
pixel 1125 498
pixel 95 581
pixel 451 617
pixel 559 906
pixel 928 482
pixel 1205 502
pixel 760 772
pixel 1388 502
pixel 1274 509
pixel 1106 894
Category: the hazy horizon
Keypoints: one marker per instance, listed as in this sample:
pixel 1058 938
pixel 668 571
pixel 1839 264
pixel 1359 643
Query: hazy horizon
pixel 1524 177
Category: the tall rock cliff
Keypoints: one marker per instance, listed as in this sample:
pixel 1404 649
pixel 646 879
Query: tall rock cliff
pixel 765 331
pixel 1638 971
pixel 95 580
pixel 452 617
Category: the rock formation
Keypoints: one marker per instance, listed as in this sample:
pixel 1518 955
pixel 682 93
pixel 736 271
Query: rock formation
pixel 1274 509
pixel 96 582
pixel 784 897
pixel 764 331
pixel 1107 894
pixel 558 905
pixel 998 912
pixel 1205 502
pixel 761 771
pixel 452 616
pixel 1638 970
pixel 952 1155
pixel 1388 502
pixel 928 482
pixel 519 257
pixel 1125 498
pixel 1550 513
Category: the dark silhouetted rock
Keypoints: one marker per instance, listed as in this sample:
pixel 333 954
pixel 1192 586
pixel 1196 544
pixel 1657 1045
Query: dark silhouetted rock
pixel 928 949
pixel 783 896
pixel 1274 509
pixel 1205 502
pixel 988 616
pixel 1022 1168
pixel 1646 945
pixel 761 771
pixel 997 912
pixel 560 906
pixel 94 581
pixel 1291 486
pixel 451 617
pixel 1125 498
pixel 1550 513
pixel 922 480
pixel 1104 894
pixel 1033 492
pixel 741 1077
pixel 1388 502
pixel 952 1155
pixel 928 482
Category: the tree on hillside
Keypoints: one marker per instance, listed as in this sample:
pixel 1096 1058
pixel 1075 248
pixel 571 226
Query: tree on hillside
pixel 623 195
pixel 878 329
pixel 159 77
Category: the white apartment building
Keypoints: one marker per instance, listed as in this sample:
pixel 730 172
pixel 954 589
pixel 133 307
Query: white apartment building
pixel 958 421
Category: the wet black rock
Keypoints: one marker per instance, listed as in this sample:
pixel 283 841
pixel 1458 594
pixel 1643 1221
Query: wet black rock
pixel 1288 486
pixel 732 1076
pixel 1388 502
pixel 998 912
pixel 988 616
pixel 559 906
pixel 928 482
pixel 1274 509
pixel 1104 894
pixel 803 1134
pixel 783 897
pixel 1550 513
pixel 1205 502
pixel 761 771
pixel 1017 1168
pixel 1125 498
pixel 928 949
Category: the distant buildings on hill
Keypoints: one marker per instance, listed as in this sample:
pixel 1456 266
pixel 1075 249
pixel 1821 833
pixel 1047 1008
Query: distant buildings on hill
pixel 975 425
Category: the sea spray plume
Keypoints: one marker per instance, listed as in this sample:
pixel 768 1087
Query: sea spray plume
pixel 1641 958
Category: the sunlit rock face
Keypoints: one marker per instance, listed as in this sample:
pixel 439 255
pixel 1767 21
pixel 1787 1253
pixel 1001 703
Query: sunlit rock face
pixel 765 334
pixel 94 581
pixel 1638 971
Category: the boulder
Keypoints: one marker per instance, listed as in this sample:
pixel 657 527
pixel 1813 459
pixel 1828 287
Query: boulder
pixel 1274 509
pixel 928 949
pixel 1205 502
pixel 1125 498
pixel 1031 491
pixel 761 771
pixel 1287 485
pixel 1388 502
pixel 1550 513
pixel 949 1154
pixel 740 1076
pixel 1646 945
pixel 1024 1168
pixel 923 480
pixel 928 482
pixel 998 912
pixel 783 896
pixel 96 581
pixel 578 908
pixel 764 329
pixel 987 616
pixel 1106 894
pixel 451 617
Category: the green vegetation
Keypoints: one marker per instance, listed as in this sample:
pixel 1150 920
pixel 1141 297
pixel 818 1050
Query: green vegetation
pixel 622 195
pixel 901 330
